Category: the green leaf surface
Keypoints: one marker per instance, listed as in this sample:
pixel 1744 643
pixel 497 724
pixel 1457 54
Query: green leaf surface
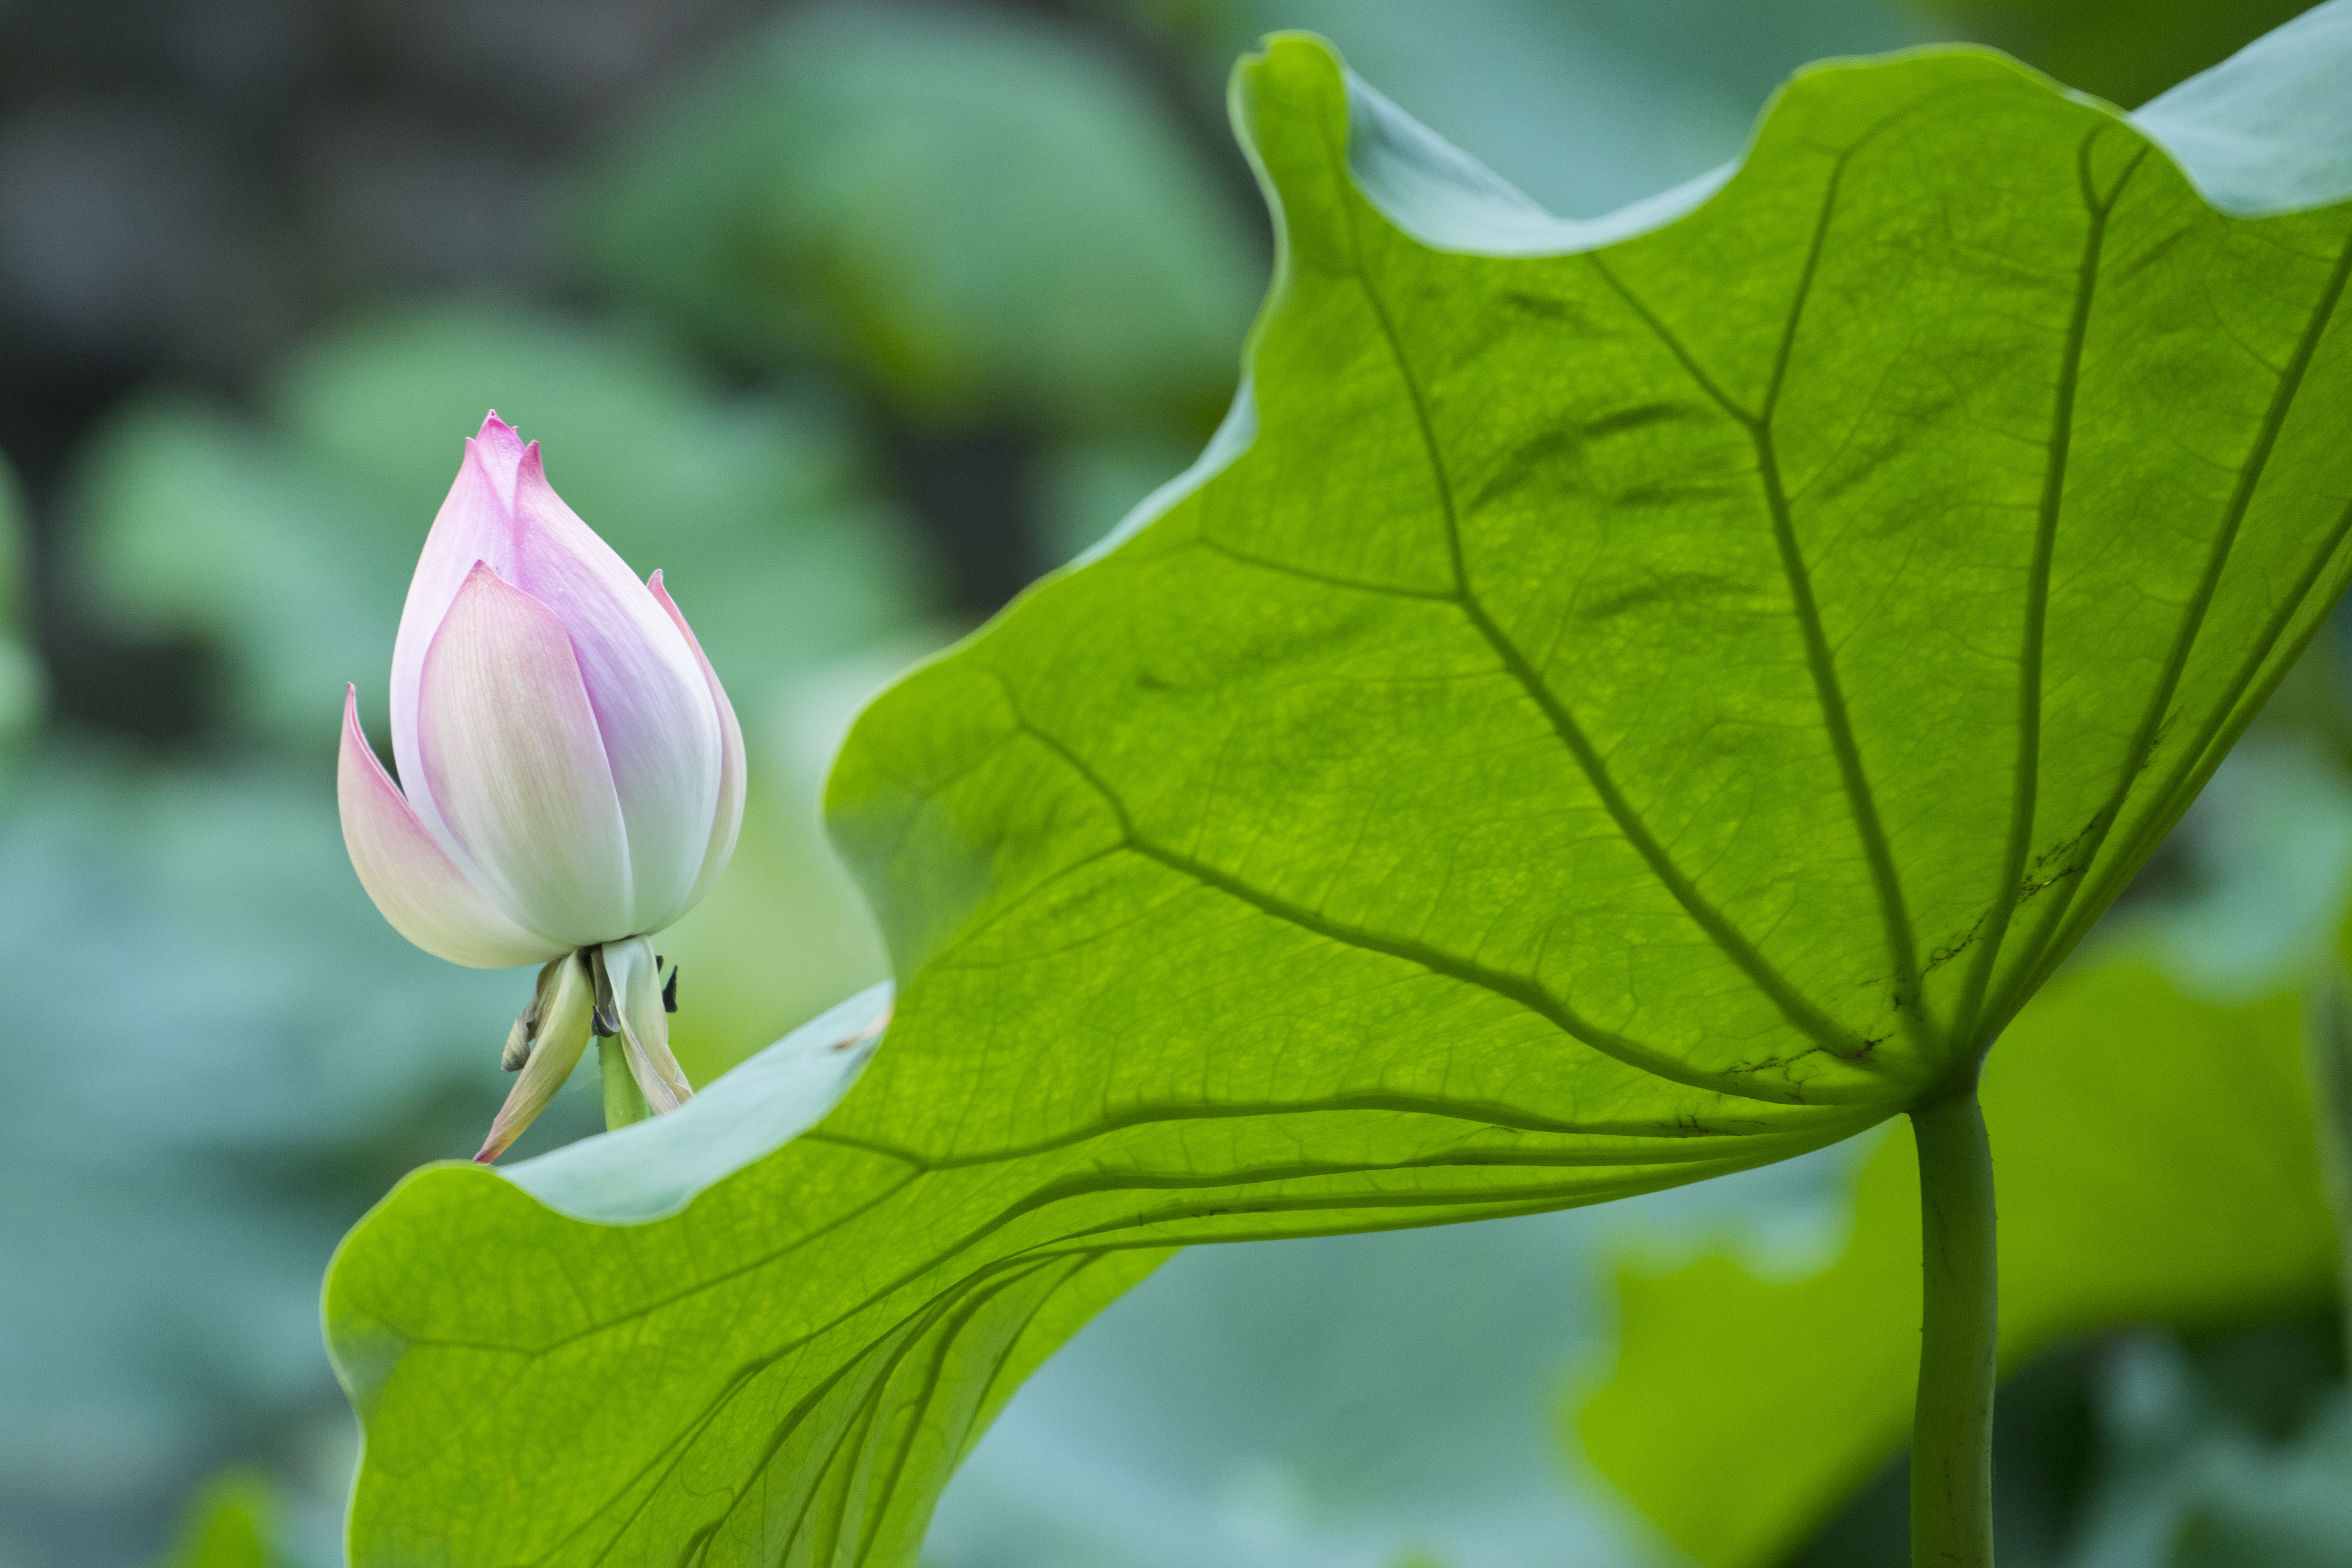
pixel 2157 1163
pixel 1594 721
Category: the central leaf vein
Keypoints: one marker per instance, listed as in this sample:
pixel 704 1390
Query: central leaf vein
pixel 2025 790
pixel 1795 1005
pixel 1821 661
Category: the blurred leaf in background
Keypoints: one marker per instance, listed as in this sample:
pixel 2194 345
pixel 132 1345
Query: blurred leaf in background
pixel 232 1523
pixel 196 526
pixel 1087 487
pixel 969 215
pixel 2219 1454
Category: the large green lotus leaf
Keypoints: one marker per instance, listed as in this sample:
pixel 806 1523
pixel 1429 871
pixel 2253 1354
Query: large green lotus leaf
pixel 2156 1163
pixel 1632 694
pixel 1639 702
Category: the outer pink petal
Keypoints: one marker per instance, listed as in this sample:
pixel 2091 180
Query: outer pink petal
pixel 419 888
pixel 646 684
pixel 511 750
pixel 475 523
pixel 727 824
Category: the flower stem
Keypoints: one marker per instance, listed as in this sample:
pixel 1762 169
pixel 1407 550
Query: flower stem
pixel 625 1102
pixel 1951 1437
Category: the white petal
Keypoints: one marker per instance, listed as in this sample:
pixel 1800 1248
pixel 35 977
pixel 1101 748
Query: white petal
pixel 662 735
pixel 476 523
pixel 424 895
pixel 727 824
pixel 515 764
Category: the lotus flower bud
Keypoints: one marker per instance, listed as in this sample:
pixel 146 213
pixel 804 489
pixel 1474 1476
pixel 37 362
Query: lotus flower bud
pixel 571 771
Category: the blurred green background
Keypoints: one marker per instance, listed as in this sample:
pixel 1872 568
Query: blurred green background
pixel 854 318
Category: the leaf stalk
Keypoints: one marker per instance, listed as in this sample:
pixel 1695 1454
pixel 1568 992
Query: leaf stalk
pixel 1952 1438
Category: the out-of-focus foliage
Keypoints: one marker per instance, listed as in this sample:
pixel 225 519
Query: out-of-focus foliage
pixel 2218 1460
pixel 967 214
pixel 1199 942
pixel 1089 486
pixel 2126 51
pixel 289 547
pixel 198 525
pixel 233 1524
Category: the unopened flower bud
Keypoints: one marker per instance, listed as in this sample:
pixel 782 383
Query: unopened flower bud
pixel 572 771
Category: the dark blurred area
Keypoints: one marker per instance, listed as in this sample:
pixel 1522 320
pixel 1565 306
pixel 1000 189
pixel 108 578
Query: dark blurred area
pixel 854 318
pixel 189 190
